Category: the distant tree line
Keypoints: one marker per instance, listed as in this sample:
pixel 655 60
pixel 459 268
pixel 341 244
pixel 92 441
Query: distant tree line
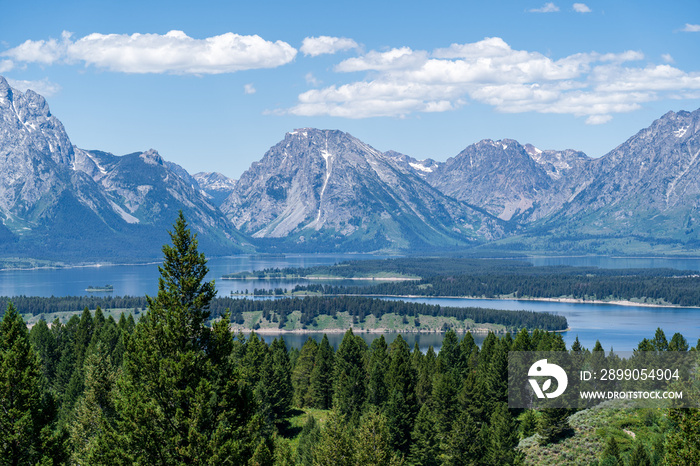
pixel 517 280
pixel 310 307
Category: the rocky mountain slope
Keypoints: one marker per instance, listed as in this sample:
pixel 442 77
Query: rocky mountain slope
pixel 648 188
pixel 61 202
pixel 513 182
pixel 331 189
pixel 324 190
pixel 216 186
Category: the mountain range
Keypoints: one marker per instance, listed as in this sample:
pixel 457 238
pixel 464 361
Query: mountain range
pixel 325 190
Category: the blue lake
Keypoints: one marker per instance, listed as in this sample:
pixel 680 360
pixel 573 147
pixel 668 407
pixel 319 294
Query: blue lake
pixel 619 327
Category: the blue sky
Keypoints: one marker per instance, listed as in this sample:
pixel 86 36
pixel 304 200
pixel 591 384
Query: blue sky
pixel 212 85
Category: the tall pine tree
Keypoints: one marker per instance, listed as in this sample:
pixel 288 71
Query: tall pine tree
pixel 21 423
pixel 173 408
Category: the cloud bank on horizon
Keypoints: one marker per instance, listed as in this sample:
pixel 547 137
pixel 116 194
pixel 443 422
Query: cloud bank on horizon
pixel 397 82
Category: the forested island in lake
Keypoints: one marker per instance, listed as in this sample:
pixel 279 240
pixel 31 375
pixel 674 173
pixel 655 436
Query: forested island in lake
pixel 93 289
pixel 510 279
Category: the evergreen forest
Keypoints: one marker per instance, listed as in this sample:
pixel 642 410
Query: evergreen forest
pixel 175 389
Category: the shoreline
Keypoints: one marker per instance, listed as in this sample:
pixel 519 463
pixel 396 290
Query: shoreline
pixel 320 277
pixel 356 330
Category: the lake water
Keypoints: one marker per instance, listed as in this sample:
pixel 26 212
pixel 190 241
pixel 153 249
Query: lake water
pixel 620 327
pixel 139 280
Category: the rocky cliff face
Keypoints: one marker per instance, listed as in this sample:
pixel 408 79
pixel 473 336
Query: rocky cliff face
pixel 329 186
pixel 58 201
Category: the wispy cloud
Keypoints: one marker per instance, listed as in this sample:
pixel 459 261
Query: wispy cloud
pixel 598 119
pixel 321 45
pixel 6 65
pixel 581 8
pixel 546 8
pixel 43 87
pixel 691 28
pixel 311 79
pixel 666 57
pixel 249 89
pixel 402 81
pixel 174 52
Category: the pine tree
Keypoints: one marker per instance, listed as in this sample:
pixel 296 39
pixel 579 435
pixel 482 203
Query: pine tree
pixel 372 443
pixel 402 406
pixel 426 373
pixel 678 343
pixel 301 375
pixel 322 376
pixel 468 352
pixel 463 445
pixel 576 346
pixel 262 456
pixel 92 433
pixel 275 386
pixel 377 393
pixel 554 424
pixel 173 407
pixel 503 437
pixel 20 393
pixel 497 375
pixel 522 341
pixel 284 455
pixel 682 446
pixel 349 390
pixel 659 342
pixel 528 423
pixel 611 454
pixel 335 447
pixel 639 456
pixel 425 445
pixel 44 342
pixel 309 437
pixel 449 358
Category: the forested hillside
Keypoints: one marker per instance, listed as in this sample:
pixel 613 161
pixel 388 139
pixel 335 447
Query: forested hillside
pixel 171 389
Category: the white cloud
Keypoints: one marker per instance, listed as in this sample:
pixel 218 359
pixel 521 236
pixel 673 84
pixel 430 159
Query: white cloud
pixel 174 52
pixel 666 57
pixel 382 61
pixel 249 89
pixel 311 79
pixel 691 28
pixel 598 119
pixel 546 8
pixel 44 87
pixel 402 81
pixel 6 65
pixel 581 8
pixel 321 45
